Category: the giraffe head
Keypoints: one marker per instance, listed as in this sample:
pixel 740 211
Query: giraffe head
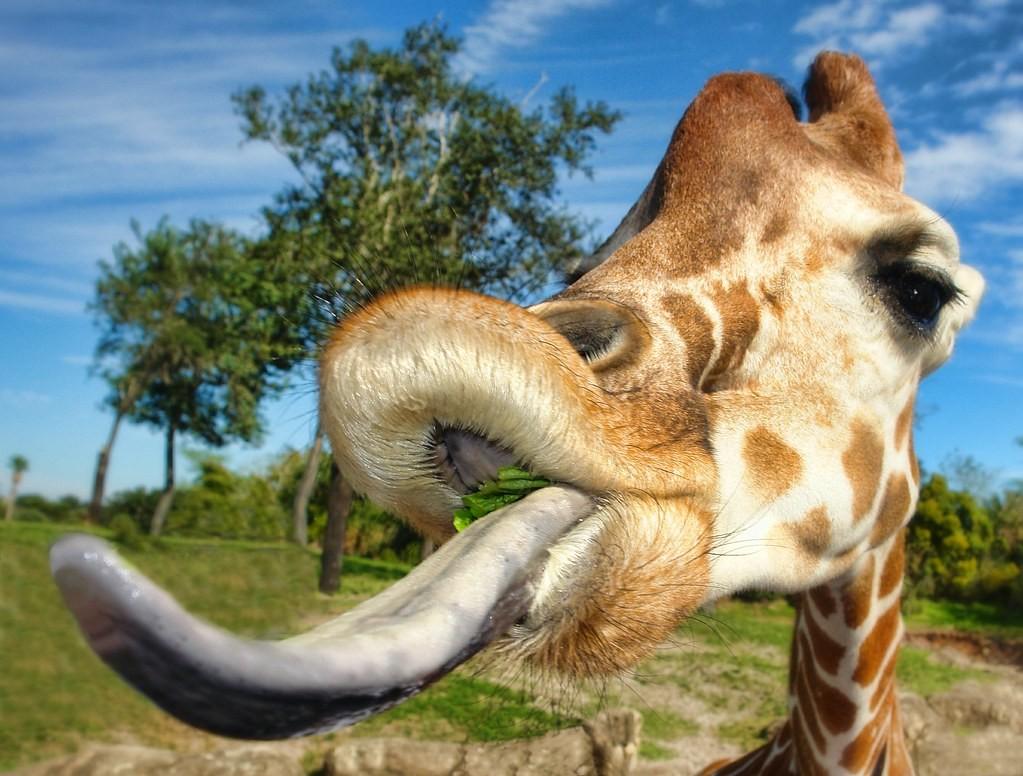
pixel 730 380
pixel 724 398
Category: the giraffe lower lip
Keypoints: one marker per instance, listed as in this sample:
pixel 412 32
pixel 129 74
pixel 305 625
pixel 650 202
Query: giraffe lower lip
pixel 469 592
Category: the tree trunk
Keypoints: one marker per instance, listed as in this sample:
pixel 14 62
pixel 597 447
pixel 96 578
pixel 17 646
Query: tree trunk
pixel 339 503
pixel 12 497
pixel 164 504
pixel 300 507
pixel 99 481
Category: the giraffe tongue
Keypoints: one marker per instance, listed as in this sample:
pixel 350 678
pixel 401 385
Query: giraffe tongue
pixel 390 647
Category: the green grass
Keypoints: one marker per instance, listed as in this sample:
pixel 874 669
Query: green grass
pixel 650 750
pixel 919 671
pixel 466 708
pixel 976 617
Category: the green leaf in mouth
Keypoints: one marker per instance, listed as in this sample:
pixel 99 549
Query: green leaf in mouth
pixel 511 485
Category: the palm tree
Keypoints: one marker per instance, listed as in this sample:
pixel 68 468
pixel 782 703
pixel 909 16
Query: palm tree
pixel 18 464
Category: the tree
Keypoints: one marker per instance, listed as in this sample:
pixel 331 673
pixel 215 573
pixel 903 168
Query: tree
pixel 410 173
pixel 18 464
pixel 194 334
pixel 965 472
pixel 953 549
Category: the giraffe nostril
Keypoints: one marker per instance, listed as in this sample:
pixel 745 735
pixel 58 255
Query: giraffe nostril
pixel 601 332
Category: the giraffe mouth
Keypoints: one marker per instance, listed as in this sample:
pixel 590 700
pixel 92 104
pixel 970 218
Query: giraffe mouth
pixel 419 411
pixel 465 459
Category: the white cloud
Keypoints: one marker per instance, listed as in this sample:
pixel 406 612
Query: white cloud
pixel 906 28
pixel 843 15
pixel 1002 228
pixel 41 304
pixel 962 166
pixel 871 28
pixel 22 398
pixel 512 24
pixel 999 77
pixel 76 360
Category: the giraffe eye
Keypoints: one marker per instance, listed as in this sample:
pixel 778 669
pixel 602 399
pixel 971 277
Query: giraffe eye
pixel 917 294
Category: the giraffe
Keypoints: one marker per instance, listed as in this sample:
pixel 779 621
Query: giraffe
pixel 723 399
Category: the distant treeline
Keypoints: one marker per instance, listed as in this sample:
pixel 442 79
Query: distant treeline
pixel 221 503
pixel 961 545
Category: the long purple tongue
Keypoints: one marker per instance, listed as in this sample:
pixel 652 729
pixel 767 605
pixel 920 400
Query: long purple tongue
pixel 383 651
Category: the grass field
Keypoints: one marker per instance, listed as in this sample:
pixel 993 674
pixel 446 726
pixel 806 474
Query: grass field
pixel 725 672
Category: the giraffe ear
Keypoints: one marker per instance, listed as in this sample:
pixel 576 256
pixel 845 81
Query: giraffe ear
pixel 847 117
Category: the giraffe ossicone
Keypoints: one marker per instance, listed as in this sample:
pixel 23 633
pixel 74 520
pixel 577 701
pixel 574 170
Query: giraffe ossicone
pixel 724 399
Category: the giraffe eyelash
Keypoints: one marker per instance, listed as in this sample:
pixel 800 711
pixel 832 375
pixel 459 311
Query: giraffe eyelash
pixel 916 293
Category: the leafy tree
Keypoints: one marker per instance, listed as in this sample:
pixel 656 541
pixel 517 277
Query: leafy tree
pixel 194 334
pixel 953 548
pixel 66 509
pixel 409 173
pixel 224 504
pixel 964 472
pixel 18 464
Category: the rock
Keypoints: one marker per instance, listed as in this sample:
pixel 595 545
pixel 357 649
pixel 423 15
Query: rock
pixel 615 737
pixel 608 746
pixel 567 752
pixel 393 757
pixel 981 704
pixel 991 752
pixel 917 718
pixel 143 761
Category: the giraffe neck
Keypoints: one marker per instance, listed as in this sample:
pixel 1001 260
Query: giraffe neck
pixel 843 709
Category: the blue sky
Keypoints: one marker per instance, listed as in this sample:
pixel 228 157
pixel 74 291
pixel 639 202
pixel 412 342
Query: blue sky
pixel 119 109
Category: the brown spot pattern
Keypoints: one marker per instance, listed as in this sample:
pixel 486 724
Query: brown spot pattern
pixel 696 331
pixel 813 532
pixel 858 596
pixel 876 646
pixel 834 710
pixel 894 566
pixel 740 321
pixel 894 509
pixel 858 753
pixel 824 601
pixel 772 465
pixel 886 686
pixel 903 424
pixel 776 227
pixel 825 649
pixel 862 461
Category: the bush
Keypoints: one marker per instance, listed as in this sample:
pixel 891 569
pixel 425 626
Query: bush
pixel 125 531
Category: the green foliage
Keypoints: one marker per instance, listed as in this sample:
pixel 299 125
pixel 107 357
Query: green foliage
pixel 956 548
pixel 410 173
pixel 976 616
pixel 135 503
pixel 373 533
pixel 192 334
pixel 36 508
pixel 125 531
pixel 511 485
pixel 224 504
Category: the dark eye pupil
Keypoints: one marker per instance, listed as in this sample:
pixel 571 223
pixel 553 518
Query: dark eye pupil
pixel 920 298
